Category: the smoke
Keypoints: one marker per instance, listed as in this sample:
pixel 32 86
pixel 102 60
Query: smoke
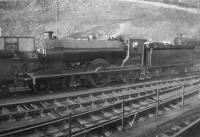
pixel 159 31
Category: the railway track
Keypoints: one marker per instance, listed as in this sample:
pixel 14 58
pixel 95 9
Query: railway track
pixel 88 111
pixel 75 101
pixel 38 110
pixel 182 127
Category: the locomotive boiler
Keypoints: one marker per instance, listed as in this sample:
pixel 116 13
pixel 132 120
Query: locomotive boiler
pixel 81 52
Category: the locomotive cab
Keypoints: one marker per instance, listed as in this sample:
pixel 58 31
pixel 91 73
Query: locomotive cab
pixel 135 51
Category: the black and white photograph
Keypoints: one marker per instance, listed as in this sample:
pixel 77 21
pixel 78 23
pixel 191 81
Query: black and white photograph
pixel 99 68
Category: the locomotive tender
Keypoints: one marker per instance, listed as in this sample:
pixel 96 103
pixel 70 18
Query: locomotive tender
pixel 64 63
pixel 15 53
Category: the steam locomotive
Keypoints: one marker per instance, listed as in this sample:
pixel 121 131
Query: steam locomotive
pixel 64 63
pixel 186 40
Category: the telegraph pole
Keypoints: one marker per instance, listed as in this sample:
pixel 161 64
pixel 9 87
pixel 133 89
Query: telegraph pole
pixel 0 31
pixel 57 17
